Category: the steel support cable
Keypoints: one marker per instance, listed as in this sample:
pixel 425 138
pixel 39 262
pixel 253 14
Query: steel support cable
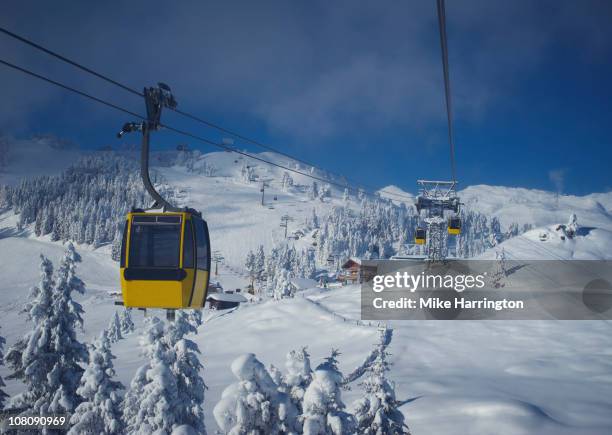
pixel 178 131
pixel 69 61
pixel 186 114
pixel 70 88
pixel 447 89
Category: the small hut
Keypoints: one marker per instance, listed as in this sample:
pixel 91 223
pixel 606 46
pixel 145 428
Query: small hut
pixel 355 272
pixel 224 301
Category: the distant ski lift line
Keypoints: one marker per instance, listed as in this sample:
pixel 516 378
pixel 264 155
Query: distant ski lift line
pixel 188 134
pixel 188 115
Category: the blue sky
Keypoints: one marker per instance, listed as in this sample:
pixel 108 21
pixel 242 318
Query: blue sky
pixel 354 88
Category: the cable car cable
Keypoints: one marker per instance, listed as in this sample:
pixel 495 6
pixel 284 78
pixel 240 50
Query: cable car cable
pixel 69 61
pixel 178 131
pixel 186 114
pixel 447 90
pixel 69 88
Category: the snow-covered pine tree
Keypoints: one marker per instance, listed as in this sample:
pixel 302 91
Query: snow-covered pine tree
pixel 324 192
pixel 99 412
pixel 70 352
pixel 125 320
pixel 572 226
pixel 148 405
pixel 298 377
pixel 314 219
pixel 498 277
pixel 195 318
pixel 86 203
pixel 3 395
pixel 277 377
pixel 286 182
pixel 260 261
pixel 250 265
pixel 282 288
pixel 323 410
pixel 377 413
pixel 179 328
pixel 37 309
pixel 114 328
pixel 167 392
pixel 48 358
pixel 254 405
pixel 116 245
pixel 313 191
pixel 186 368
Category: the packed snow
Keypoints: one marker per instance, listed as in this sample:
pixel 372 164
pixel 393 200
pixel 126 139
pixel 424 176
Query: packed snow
pixel 472 377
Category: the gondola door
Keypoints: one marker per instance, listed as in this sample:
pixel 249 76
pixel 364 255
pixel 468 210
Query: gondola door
pixel 202 257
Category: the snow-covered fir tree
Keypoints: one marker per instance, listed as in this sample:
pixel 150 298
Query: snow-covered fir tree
pixel 3 395
pixel 498 277
pixel 286 182
pixel 148 404
pixel 168 391
pixel 313 191
pixel 277 377
pixel 323 410
pixel 572 225
pixel 186 368
pixel 114 328
pixel 38 309
pixel 314 219
pixel 195 318
pixel 377 412
pixel 125 320
pixel 324 192
pixel 298 377
pixel 254 404
pixel 99 412
pixel 48 359
pixel 255 264
pixel 87 203
pixel 282 288
pixel 260 261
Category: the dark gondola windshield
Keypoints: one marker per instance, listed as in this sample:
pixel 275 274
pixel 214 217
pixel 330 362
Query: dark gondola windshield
pixel 155 242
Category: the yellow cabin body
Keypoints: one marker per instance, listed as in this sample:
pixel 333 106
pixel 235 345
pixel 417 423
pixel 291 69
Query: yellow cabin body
pixel 419 241
pixel 454 231
pixel 165 260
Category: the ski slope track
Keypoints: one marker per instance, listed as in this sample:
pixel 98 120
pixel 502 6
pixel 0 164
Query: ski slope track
pixel 469 377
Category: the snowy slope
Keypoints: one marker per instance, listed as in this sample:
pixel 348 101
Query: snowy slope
pixel 496 377
pixel 531 206
pixel 456 377
pixel 546 243
pixel 237 220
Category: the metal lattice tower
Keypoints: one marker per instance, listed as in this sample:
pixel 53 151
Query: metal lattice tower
pixel 434 200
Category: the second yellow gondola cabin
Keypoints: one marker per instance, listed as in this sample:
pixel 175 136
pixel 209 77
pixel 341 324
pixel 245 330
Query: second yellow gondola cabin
pixel 165 260
pixel 454 226
pixel 419 236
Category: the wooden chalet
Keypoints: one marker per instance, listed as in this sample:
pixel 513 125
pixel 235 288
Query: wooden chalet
pixel 355 272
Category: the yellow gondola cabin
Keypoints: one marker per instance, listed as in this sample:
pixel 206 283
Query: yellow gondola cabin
pixel 454 226
pixel 165 260
pixel 419 236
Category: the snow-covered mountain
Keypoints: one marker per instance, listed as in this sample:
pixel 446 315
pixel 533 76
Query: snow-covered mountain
pixel 528 206
pixel 501 377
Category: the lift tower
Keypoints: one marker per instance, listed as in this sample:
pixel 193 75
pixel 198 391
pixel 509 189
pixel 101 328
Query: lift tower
pixel 435 201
